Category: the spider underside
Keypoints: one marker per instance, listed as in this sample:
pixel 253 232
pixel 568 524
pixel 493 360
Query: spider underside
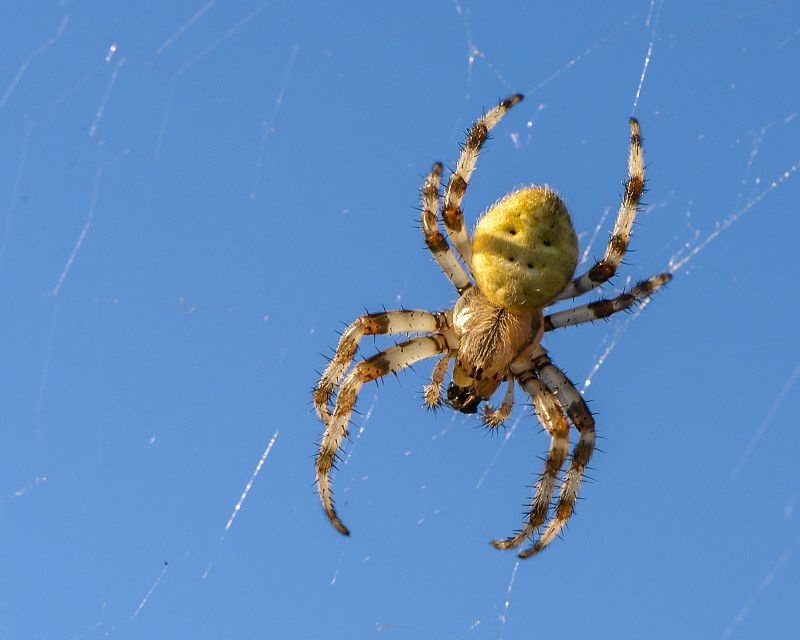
pixel 522 258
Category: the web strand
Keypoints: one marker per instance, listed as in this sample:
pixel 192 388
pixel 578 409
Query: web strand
pixel 241 501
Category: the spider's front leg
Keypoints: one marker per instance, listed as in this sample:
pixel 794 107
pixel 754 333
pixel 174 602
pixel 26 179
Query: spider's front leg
pixel 388 322
pixel 572 403
pixel 550 414
pixel 389 361
pixel 554 398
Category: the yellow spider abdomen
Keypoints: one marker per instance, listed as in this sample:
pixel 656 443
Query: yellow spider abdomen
pixel 525 250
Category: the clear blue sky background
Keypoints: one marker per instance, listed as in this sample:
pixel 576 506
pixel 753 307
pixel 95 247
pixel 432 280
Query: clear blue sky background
pixel 196 197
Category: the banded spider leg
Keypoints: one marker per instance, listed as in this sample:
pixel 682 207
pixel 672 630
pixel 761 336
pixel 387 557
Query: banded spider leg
pixel 442 340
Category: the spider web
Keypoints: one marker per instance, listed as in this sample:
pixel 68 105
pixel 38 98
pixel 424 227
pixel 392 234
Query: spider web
pixel 197 197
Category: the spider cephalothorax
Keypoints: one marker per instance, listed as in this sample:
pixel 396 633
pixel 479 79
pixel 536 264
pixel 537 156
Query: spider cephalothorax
pixel 522 258
pixel 490 338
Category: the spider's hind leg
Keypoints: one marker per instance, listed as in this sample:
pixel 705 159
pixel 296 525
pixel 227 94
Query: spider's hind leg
pixel 457 185
pixel 605 308
pixel 603 270
pixel 452 217
pixel 437 244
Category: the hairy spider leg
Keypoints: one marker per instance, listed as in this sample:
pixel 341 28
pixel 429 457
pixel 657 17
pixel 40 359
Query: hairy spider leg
pixel 433 390
pixel 603 270
pixel 555 399
pixel 387 322
pixel 550 414
pixel 452 217
pixel 389 361
pixel 437 244
pixel 605 308
pixel 572 403
pixel 494 418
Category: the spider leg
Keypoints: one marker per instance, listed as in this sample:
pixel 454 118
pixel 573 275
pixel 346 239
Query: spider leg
pixel 389 361
pixel 388 322
pixel 433 391
pixel 437 244
pixel 457 185
pixel 494 418
pixel 604 308
pixel 572 403
pixel 551 415
pixel 634 187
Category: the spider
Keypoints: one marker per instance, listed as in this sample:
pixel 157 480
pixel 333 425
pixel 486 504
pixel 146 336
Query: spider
pixel 523 258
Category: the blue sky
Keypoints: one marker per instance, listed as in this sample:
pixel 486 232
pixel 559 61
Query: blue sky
pixel 197 196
